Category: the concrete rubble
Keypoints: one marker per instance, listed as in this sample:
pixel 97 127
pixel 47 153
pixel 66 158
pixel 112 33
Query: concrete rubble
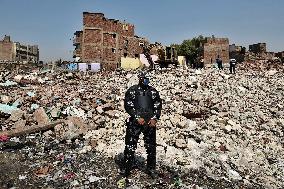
pixel 230 127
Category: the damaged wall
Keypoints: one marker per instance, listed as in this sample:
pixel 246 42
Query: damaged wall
pixel 7 49
pixel 215 47
pixel 106 41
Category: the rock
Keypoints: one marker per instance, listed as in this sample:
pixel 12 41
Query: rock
pixel 133 187
pixel 40 117
pixel 16 115
pixel 69 75
pixel 5 99
pixel 34 106
pixel 181 143
pixel 234 175
pixel 228 128
pixel 112 114
pixel 95 179
pixel 31 94
pixel 19 124
pixel 85 149
pixel 100 110
pixel 18 78
pixel 191 125
pixel 55 113
pixel 48 134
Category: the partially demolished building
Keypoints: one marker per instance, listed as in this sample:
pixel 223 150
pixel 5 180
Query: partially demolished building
pixel 258 48
pixel 214 48
pixel 16 52
pixel 105 41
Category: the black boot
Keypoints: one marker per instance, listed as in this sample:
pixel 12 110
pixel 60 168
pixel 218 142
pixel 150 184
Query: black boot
pixel 152 173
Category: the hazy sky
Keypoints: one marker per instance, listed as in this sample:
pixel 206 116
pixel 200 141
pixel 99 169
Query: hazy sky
pixel 51 23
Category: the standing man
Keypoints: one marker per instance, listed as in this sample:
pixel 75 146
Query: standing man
pixel 201 62
pixel 143 104
pixel 220 63
pixel 233 66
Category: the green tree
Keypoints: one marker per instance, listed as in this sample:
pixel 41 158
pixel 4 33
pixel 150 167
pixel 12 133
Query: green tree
pixel 190 48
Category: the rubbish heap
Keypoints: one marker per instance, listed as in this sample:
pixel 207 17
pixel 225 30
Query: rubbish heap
pixel 227 127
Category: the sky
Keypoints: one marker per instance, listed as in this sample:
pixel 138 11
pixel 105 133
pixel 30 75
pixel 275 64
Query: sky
pixel 52 23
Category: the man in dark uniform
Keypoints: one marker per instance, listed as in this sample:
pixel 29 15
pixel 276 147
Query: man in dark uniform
pixel 219 63
pixel 143 104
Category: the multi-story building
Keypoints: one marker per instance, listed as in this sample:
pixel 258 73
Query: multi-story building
pixel 105 41
pixel 214 48
pixel 15 52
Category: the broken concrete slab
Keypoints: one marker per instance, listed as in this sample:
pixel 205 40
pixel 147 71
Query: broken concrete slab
pixel 40 116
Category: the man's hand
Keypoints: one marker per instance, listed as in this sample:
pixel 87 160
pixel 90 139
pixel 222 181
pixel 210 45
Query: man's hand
pixel 141 121
pixel 152 123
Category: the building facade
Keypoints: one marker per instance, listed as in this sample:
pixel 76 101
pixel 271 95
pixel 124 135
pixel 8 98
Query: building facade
pixel 214 48
pixel 15 52
pixel 105 41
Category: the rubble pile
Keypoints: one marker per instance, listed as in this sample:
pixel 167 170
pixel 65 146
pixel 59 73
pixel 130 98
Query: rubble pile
pixel 227 127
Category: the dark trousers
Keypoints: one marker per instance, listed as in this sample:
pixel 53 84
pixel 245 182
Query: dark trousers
pixel 220 66
pixel 232 68
pixel 133 131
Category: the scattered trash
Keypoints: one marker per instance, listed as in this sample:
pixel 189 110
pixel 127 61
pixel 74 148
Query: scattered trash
pixel 31 94
pixel 95 179
pixel 69 176
pixel 43 171
pixel 8 83
pixel 7 109
pixel 121 183
pixel 78 124
pixel 4 138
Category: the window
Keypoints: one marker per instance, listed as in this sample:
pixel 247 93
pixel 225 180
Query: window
pixel 125 55
pixel 136 55
pixel 114 35
pixel 141 43
pixel 113 50
pixel 89 67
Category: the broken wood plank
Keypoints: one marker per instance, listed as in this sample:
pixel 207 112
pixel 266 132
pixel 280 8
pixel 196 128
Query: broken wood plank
pixel 29 130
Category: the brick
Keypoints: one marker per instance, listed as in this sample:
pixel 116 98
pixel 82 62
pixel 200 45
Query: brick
pixel 105 40
pixel 215 47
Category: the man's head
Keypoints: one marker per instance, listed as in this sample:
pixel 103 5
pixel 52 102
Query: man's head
pixel 143 79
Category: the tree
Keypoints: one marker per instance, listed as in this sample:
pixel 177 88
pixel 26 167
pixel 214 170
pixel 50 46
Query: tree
pixel 190 48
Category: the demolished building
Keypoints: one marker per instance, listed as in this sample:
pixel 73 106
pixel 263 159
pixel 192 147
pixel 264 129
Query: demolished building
pixel 16 52
pixel 280 55
pixel 258 48
pixel 214 48
pixel 106 41
pixel 237 52
pixel 258 52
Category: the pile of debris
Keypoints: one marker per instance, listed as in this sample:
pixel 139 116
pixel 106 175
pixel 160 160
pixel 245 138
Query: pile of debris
pixel 227 128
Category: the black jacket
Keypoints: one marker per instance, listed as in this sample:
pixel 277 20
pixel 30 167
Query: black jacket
pixel 130 104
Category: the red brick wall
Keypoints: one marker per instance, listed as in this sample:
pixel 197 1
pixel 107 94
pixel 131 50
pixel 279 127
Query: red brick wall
pixel 215 47
pixel 109 55
pixel 109 40
pixel 92 53
pixel 97 20
pixel 93 36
